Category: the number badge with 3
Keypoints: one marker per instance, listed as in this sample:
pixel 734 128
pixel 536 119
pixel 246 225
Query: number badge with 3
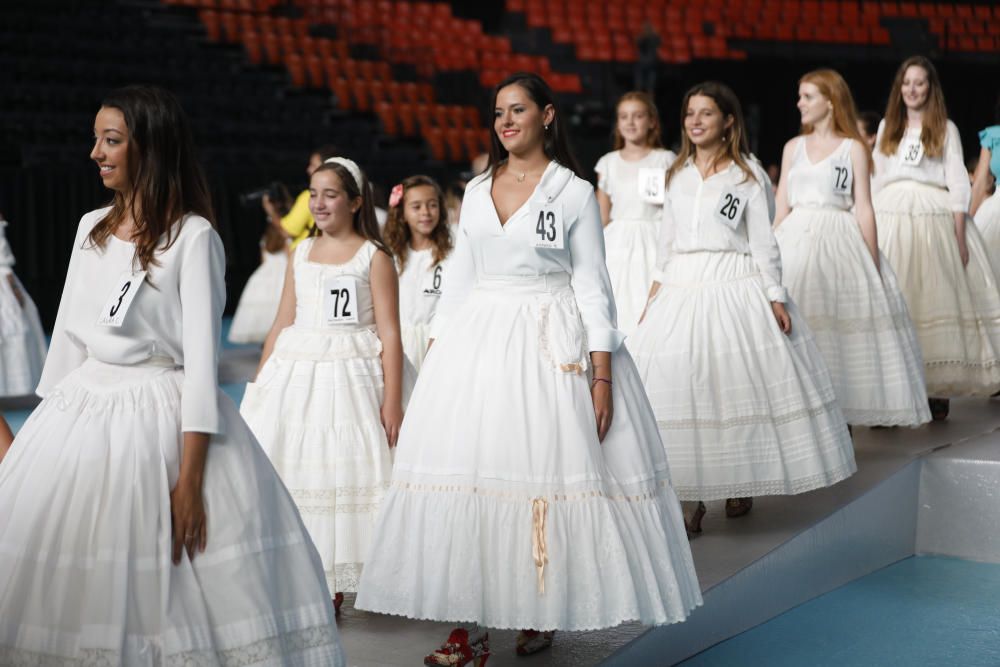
pixel 340 299
pixel 548 220
pixel 842 176
pixel 729 208
pixel 121 299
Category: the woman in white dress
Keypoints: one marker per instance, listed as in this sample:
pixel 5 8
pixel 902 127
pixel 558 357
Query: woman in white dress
pixel 327 403
pixel 921 195
pixel 530 488
pixel 742 398
pixel 832 267
pixel 985 207
pixel 143 524
pixel 420 238
pixel 630 195
pixel 22 340
pixel 261 295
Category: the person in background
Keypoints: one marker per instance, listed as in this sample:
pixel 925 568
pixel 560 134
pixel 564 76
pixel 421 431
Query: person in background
pixel 868 127
pixel 22 339
pixel 985 208
pixel 647 45
pixel 298 222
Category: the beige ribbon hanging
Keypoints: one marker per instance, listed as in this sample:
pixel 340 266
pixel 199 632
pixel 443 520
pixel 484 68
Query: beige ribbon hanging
pixel 539 511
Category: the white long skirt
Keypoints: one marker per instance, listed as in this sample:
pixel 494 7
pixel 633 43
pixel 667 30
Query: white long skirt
pixel 22 340
pixel 85 539
pixel 415 337
pixel 631 257
pixel 260 299
pixel 988 223
pixel 955 309
pixel 504 508
pixel 743 409
pixel 858 318
pixel 316 410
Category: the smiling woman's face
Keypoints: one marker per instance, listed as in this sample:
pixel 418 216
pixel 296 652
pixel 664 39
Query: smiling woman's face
pixel 110 150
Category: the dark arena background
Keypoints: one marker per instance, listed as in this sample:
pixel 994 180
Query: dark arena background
pixel 898 565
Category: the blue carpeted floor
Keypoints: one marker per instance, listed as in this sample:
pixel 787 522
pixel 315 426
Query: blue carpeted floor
pixel 923 611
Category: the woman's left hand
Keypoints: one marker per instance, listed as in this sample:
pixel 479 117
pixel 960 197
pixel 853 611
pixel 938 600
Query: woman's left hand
pixel 392 421
pixel 187 512
pixel 604 410
pixel 781 316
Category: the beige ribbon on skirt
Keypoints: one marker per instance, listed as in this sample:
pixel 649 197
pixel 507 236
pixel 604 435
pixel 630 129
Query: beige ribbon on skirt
pixel 539 511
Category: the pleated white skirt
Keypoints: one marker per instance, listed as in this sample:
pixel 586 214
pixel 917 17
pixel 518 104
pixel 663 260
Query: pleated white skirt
pixel 22 340
pixel 630 246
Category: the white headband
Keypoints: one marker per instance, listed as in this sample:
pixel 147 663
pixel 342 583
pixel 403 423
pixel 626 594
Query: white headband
pixel 349 165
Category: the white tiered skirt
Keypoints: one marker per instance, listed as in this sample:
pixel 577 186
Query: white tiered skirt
pixel 743 409
pixel 504 508
pixel 631 257
pixel 316 410
pixel 955 309
pixel 858 318
pixel 85 539
pixel 22 340
pixel 259 301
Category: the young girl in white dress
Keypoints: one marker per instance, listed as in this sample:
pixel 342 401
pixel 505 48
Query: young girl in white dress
pixel 742 398
pixel 832 267
pixel 630 195
pixel 921 196
pixel 260 298
pixel 419 236
pixel 145 525
pixel 22 340
pixel 327 402
pixel 530 489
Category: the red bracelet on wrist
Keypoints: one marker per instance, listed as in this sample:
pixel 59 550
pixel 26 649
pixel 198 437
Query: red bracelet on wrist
pixel 596 380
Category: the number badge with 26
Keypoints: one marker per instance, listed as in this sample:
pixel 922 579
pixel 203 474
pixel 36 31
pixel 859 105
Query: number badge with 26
pixel 121 299
pixel 548 232
pixel 340 300
pixel 729 208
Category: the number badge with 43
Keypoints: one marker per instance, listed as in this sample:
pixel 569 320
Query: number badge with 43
pixel 548 231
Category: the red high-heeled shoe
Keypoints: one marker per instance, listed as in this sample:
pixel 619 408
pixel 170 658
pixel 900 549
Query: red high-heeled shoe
pixel 533 641
pixel 338 601
pixel 457 651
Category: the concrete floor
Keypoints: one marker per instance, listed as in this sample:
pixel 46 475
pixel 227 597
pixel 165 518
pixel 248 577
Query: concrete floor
pixel 724 548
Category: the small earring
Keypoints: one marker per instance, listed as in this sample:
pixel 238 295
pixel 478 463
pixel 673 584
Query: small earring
pixel 546 128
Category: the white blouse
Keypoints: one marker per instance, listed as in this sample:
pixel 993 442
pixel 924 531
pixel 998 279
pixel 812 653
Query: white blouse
pixel 6 254
pixel 827 183
pixel 945 171
pixel 619 179
pixel 420 287
pixel 176 313
pixel 693 214
pixel 485 248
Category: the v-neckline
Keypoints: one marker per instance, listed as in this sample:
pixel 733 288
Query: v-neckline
pixel 805 152
pixel 493 203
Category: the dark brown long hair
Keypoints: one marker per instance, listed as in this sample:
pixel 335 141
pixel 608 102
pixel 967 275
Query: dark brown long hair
pixel 364 222
pixel 556 144
pixel 653 139
pixel 165 179
pixel 933 123
pixel 398 234
pixel 735 145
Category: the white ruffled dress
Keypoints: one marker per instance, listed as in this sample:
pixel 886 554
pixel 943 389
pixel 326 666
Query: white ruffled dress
pixel 315 407
pixel 420 284
pixel 504 508
pixel 260 299
pixel 955 309
pixel 22 340
pixel 85 531
pixel 857 316
pixel 636 192
pixel 743 409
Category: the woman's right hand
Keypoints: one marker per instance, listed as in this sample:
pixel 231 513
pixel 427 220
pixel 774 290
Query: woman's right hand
pixel 781 316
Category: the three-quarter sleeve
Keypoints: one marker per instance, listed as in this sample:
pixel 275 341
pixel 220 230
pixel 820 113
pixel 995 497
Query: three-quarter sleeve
pixel 202 297
pixel 590 280
pixel 665 242
pixel 763 245
pixel 955 175
pixel 65 355
pixel 458 276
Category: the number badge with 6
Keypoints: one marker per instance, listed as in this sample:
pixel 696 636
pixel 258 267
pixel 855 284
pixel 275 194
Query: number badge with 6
pixel 432 282
pixel 121 299
pixel 729 208
pixel 340 298
pixel 548 232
